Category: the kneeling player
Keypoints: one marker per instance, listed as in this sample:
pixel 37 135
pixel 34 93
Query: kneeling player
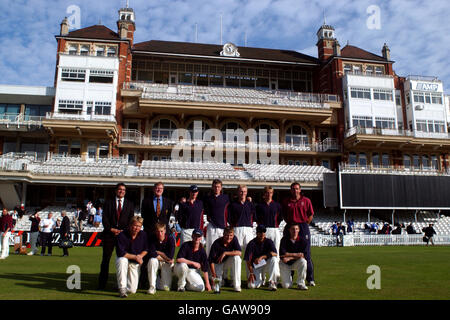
pixel 292 257
pixel 226 254
pixel 132 246
pixel 161 251
pixel 192 263
pixel 261 257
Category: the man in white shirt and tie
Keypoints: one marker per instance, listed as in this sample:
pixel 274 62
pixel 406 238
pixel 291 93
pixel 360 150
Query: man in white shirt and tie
pixel 117 214
pixel 47 225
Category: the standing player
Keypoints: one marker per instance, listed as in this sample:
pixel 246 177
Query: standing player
pixel 298 209
pixel 241 217
pixel 268 213
pixel 261 258
pixel 292 258
pixel 192 263
pixel 226 254
pixel 161 251
pixel 117 215
pixel 190 215
pixel 216 208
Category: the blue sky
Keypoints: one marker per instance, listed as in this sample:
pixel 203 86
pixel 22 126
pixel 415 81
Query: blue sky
pixel 417 32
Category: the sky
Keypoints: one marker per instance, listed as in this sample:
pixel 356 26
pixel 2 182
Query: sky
pixel 416 31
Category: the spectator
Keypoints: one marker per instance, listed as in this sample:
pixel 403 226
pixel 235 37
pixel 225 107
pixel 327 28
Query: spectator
pixel 34 232
pixel 81 217
pixel 100 210
pixel 410 229
pixel 92 213
pixel 64 231
pixel 350 225
pixel 14 218
pixel 46 226
pixel 132 246
pixel 386 229
pixel 397 230
pixel 97 220
pixel 374 227
pixel 429 233
pixel 334 228
pixel 6 225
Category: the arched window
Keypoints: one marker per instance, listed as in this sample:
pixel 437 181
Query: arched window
pixel 268 128
pixel 362 160
pixel 352 159
pixel 425 162
pixel 162 129
pixel 376 160
pixel 297 136
pixel 385 160
pixel 416 161
pixel 407 161
pixel 190 128
pixel 232 126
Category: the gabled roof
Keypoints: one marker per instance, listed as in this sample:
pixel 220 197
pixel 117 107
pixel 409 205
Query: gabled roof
pixel 352 52
pixel 212 50
pixel 94 32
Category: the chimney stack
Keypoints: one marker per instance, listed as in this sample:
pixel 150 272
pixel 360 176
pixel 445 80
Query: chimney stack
pixel 386 52
pixel 64 31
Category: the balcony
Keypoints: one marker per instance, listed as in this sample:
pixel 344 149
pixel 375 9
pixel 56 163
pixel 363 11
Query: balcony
pixel 396 138
pixel 231 101
pixel 134 137
pixel 86 125
pixel 80 117
pixel 20 121
pixel 398 169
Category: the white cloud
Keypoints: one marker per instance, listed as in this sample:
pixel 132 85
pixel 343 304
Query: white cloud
pixel 417 32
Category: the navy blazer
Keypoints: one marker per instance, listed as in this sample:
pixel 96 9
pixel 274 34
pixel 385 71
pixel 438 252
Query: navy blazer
pixel 149 214
pixel 109 218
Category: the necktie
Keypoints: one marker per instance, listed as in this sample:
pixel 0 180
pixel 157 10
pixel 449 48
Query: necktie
pixel 119 210
pixel 158 207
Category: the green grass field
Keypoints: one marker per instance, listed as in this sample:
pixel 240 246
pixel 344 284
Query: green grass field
pixel 406 273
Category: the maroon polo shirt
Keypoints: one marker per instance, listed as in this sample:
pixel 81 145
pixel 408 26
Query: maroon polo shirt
pixel 297 211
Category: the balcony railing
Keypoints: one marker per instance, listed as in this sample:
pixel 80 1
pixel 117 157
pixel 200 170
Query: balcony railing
pixel 20 120
pixel 135 137
pixel 80 117
pixel 232 95
pixel 422 78
pixel 368 74
pixel 390 169
pixel 396 132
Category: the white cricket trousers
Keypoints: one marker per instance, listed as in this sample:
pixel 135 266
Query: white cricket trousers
pixel 285 271
pixel 188 278
pixel 244 236
pixel 127 274
pixel 274 235
pixel 272 268
pixel 186 235
pixel 212 234
pixel 159 282
pixel 232 263
pixel 5 243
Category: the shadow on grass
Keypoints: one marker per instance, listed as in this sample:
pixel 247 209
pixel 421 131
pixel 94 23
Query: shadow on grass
pixel 58 282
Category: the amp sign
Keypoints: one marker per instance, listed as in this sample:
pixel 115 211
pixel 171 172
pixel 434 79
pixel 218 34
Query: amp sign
pixel 427 86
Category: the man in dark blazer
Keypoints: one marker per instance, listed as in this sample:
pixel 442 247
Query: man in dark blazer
pixel 64 231
pixel 117 214
pixel 154 209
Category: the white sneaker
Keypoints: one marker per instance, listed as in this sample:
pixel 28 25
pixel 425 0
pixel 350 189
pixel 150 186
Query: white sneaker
pixel 181 289
pixel 272 286
pixel 311 284
pixel 237 289
pixel 152 290
pixel 302 287
pixel 166 288
pixel 30 253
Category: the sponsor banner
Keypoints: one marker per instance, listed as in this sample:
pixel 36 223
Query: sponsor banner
pixel 80 239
